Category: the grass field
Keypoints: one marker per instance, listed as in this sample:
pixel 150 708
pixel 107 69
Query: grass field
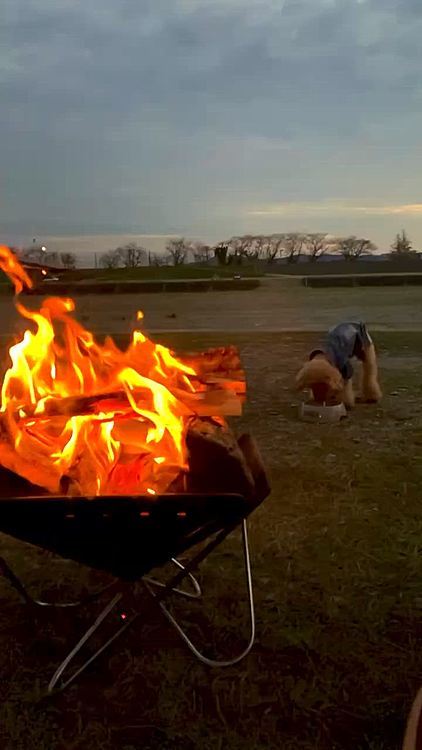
pixel 336 555
pixel 276 305
pixel 146 273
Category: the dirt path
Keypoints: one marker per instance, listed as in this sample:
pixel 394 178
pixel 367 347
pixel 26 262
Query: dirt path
pixel 278 305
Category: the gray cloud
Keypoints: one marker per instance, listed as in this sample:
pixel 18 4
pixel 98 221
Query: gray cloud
pixel 178 115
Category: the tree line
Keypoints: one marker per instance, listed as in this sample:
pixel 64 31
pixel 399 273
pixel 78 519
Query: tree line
pixel 38 254
pixel 248 248
pixel 178 251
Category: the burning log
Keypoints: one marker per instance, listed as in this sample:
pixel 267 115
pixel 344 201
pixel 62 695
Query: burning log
pixel 220 463
pixel 35 468
pixel 216 461
pixel 219 362
pixel 210 403
pixel 220 391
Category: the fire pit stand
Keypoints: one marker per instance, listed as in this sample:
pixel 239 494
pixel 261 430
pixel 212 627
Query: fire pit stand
pixel 128 537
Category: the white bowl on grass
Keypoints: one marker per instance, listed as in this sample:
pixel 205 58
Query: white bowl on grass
pixel 311 411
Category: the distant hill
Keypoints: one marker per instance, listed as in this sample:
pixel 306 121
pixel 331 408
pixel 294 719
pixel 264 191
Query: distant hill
pixel 337 258
pixel 336 265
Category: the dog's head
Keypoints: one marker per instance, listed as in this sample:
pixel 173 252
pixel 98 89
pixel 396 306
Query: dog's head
pixel 322 377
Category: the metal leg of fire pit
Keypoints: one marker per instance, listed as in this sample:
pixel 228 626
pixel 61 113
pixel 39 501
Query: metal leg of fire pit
pixel 17 584
pixel 56 684
pixel 195 594
pixel 170 587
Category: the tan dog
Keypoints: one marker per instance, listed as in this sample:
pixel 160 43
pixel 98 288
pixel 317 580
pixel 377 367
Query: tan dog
pixel 320 376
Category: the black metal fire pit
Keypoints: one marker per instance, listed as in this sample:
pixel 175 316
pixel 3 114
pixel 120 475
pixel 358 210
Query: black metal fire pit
pixel 128 537
pixel 124 536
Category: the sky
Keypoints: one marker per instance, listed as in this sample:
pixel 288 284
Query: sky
pixel 208 118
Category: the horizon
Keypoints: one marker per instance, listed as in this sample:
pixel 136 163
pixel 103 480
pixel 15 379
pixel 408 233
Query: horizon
pixel 93 246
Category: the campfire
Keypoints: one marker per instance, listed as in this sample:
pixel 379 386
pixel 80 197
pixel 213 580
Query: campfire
pixel 126 459
pixel 80 417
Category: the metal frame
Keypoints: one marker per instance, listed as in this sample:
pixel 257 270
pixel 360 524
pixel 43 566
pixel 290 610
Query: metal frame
pixel 199 655
pixel 158 592
pixel 17 584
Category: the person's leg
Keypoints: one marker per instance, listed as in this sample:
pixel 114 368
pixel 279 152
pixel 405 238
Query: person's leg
pixel 413 736
pixel 371 390
pixel 359 382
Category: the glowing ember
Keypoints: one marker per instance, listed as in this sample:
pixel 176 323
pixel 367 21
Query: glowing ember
pixel 102 420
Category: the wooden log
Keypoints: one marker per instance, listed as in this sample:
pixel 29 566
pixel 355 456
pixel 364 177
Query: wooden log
pixel 30 468
pixel 216 462
pixel 219 390
pixel 212 403
pixel 224 361
pixel 249 448
pixel 13 485
pixel 208 403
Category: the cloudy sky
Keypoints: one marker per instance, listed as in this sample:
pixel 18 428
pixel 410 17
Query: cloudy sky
pixel 209 118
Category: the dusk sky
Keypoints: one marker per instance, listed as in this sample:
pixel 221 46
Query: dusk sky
pixel 209 118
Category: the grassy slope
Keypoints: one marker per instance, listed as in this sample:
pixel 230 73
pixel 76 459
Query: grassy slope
pixel 151 272
pixel 337 569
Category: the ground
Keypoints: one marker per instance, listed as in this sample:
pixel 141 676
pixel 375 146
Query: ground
pixel 278 305
pixel 336 555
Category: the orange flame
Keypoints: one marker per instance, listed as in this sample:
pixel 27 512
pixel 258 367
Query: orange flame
pixel 11 266
pixel 102 420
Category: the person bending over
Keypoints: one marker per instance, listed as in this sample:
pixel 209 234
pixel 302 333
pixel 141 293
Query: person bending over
pixel 328 372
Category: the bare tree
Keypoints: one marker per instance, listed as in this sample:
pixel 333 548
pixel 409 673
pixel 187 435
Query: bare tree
pixel 221 252
pixel 52 258
pixel 352 248
pixel 178 249
pixel 251 247
pixel 132 255
pixel 242 247
pixel 318 245
pixel 201 253
pixel 256 249
pixel 68 260
pixel 248 246
pixel 154 259
pixel 110 259
pixel 39 254
pixel 273 247
pixel 34 254
pixel 401 246
pixel 292 245
pixel 265 246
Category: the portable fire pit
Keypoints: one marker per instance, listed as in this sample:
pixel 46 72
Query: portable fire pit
pixel 128 537
pixel 121 460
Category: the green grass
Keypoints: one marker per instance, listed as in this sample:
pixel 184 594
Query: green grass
pixel 336 555
pixel 160 273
